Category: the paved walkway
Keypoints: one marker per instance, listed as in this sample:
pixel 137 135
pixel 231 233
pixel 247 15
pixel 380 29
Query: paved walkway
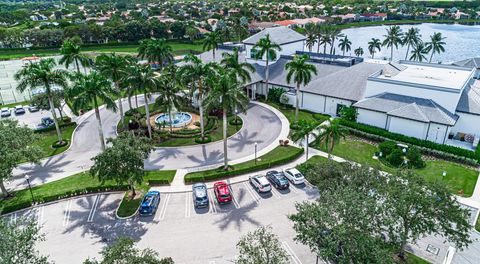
pixel 263 125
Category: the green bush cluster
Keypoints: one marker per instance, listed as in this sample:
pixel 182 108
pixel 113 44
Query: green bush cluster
pixel 427 147
pixel 395 158
pixel 243 168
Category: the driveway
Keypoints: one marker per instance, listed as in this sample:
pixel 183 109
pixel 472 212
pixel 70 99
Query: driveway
pixel 261 126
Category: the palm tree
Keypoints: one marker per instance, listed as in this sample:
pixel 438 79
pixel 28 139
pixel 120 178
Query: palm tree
pixel 301 71
pixel 345 45
pixel 241 69
pixel 89 89
pixel 196 72
pixel 146 82
pixel 304 130
pixel 43 74
pixel 419 51
pixel 227 92
pixel 211 41
pixel 392 39
pixel 411 38
pixel 266 47
pixel 334 33
pixel 156 51
pixel 169 89
pixel 310 42
pixel 114 68
pixel 358 52
pixel 71 54
pixel 331 134
pixel 436 44
pixel 374 45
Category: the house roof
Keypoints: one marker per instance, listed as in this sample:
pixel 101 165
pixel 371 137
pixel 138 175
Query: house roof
pixel 279 35
pixel 285 23
pixel 347 83
pixel 469 63
pixel 408 107
pixel 470 99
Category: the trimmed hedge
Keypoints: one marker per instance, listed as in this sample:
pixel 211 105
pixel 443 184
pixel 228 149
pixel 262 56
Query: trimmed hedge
pixel 288 153
pixel 427 147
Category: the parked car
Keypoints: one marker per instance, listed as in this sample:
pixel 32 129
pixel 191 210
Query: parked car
pixel 260 183
pixel 278 179
pixel 294 176
pixel 5 112
pixel 149 203
pixel 200 195
pixel 33 108
pixel 19 110
pixel 47 121
pixel 222 192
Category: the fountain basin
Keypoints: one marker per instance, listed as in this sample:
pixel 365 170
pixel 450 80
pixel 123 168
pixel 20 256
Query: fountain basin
pixel 179 119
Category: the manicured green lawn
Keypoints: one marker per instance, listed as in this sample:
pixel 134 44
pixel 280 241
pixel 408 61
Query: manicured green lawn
pixel 177 47
pixel 74 185
pixel 460 179
pixel 46 140
pixel 278 156
pixel 477 224
pixel 413 259
pixel 289 112
pixel 24 103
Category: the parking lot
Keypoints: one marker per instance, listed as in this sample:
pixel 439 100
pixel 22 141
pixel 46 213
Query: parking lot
pixel 30 119
pixel 78 228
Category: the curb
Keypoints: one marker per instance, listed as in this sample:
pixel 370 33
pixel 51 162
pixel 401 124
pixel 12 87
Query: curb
pixel 125 217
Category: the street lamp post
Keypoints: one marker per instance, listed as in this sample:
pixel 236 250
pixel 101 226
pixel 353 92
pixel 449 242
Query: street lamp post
pixel 256 153
pixel 27 178
pixel 306 147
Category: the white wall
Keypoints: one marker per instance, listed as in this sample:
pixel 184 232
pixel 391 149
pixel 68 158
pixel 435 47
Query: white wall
pixel 437 133
pixel 449 100
pixel 371 118
pixel 407 127
pixel 467 123
pixel 312 102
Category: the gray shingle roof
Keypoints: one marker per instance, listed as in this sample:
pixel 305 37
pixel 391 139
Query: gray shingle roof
pixel 469 63
pixel 470 99
pixel 347 83
pixel 279 35
pixel 419 109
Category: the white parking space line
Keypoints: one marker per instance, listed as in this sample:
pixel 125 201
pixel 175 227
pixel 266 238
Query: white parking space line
pixel 93 209
pixel 252 193
pixel 66 213
pixel 290 252
pixel 234 200
pixel 163 210
pixel 293 188
pixel 213 208
pixel 276 193
pixel 188 204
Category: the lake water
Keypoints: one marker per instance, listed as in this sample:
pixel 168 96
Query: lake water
pixel 462 41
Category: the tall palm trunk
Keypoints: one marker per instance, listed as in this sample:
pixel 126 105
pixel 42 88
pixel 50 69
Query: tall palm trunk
pixel 136 101
pixel 99 120
pixel 147 115
pixel 200 108
pixel 213 51
pixel 318 46
pixel 332 45
pixel 408 49
pixel 225 150
pixel 3 189
pixel 267 73
pixel 120 106
pixel 325 48
pixel 297 100
pixel 391 53
pixel 431 57
pixel 130 102
pixel 55 119
pixel 170 118
pixel 78 66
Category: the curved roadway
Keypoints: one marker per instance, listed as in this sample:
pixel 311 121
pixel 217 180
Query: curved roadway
pixel 261 125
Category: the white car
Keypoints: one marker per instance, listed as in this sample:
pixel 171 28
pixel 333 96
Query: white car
pixel 294 176
pixel 5 112
pixel 260 183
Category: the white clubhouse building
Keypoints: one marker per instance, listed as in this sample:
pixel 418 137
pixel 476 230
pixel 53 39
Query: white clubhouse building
pixel 435 102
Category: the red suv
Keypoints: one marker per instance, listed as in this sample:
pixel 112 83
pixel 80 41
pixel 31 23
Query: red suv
pixel 222 192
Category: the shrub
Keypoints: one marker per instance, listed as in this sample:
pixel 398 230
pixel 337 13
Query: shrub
pixel 386 147
pixel 274 94
pixel 349 113
pixel 395 158
pixel 206 139
pixel 427 147
pixel 415 158
pixel 236 122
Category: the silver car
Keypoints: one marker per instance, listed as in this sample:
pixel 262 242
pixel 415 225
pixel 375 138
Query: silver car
pixel 5 112
pixel 200 195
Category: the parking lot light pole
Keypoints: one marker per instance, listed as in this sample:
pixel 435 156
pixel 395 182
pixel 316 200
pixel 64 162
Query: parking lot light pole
pixel 256 153
pixel 27 178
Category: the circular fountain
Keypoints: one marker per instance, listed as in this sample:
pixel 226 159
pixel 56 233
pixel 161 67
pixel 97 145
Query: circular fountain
pixel 179 119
